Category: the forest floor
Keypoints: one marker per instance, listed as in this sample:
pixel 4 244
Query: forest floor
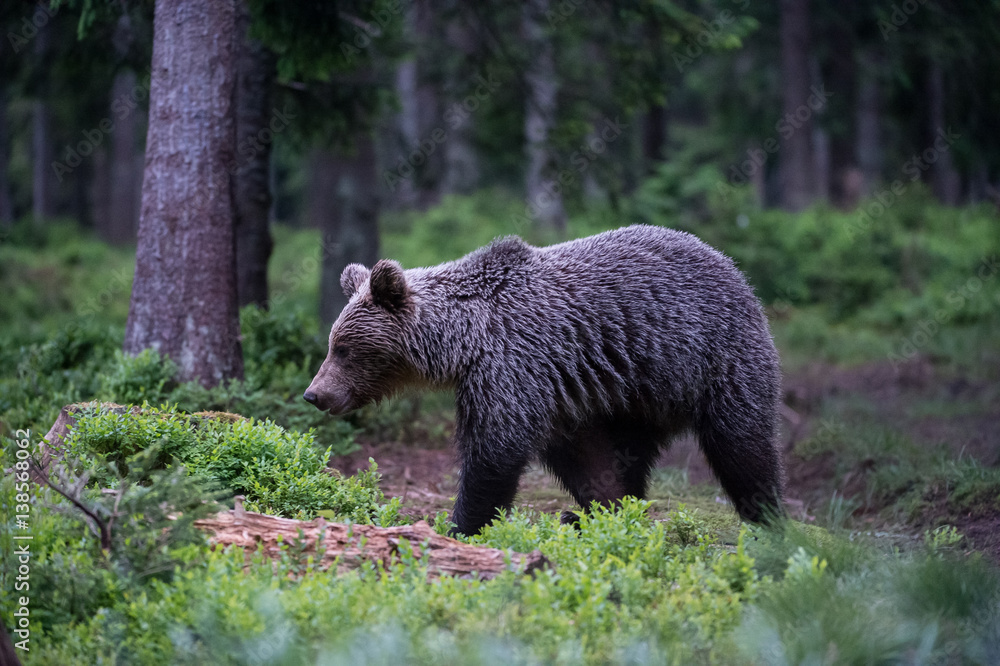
pixel 837 420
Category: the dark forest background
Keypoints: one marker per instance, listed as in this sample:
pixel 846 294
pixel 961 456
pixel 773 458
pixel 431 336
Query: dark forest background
pixel 347 113
pixel 183 181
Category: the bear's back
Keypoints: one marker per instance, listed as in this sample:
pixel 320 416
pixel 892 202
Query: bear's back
pixel 638 307
pixel 640 249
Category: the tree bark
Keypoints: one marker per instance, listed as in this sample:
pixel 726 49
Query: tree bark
pixel 251 186
pixel 350 230
pixel 544 194
pixel 353 546
pixel 821 164
pixel 461 162
pixel 321 201
pixel 41 140
pixel 654 122
pixel 116 212
pixel 843 83
pixel 100 190
pixel 8 653
pixel 869 122
pixel 6 203
pixel 416 175
pixel 654 137
pixel 119 227
pixel 945 181
pixel 796 154
pixel 184 294
pixel 400 187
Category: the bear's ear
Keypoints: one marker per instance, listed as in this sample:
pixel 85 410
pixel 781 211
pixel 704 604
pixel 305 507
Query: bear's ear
pixel 388 285
pixel 352 278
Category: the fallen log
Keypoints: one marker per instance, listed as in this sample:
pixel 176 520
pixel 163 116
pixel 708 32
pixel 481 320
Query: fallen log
pixel 352 546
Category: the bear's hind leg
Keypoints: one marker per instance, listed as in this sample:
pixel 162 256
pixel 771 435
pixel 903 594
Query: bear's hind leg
pixel 603 462
pixel 747 463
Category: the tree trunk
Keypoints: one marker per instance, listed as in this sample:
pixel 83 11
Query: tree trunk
pixel 41 140
pixel 321 202
pixel 117 216
pixel 654 137
pixel 400 184
pixel 821 164
pixel 41 149
pixel 251 187
pixel 118 228
pixel 869 121
pixel 184 294
pixel 843 84
pixel 79 198
pixel 6 203
pixel 461 162
pixel 654 122
pixel 796 153
pixel 431 172
pixel 412 174
pixel 100 191
pixel 945 181
pixel 543 192
pixel 350 231
pixel 8 653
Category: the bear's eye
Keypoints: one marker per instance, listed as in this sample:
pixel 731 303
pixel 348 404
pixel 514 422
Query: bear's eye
pixel 340 351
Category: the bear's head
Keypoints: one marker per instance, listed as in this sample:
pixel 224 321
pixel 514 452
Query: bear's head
pixel 367 357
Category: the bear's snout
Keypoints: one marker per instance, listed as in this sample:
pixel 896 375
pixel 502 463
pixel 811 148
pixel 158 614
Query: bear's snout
pixel 334 401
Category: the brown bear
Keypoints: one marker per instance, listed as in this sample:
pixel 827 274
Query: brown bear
pixel 589 356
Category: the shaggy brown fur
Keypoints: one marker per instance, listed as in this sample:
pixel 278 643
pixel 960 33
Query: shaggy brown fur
pixel 589 356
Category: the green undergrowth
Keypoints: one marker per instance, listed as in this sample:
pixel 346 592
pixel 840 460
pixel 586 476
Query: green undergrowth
pixel 133 581
pixel 57 274
pixel 623 588
pixel 658 582
pixel 280 472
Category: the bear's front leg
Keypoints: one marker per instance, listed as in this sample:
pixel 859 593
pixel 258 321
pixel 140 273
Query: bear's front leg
pixel 483 489
pixel 494 433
